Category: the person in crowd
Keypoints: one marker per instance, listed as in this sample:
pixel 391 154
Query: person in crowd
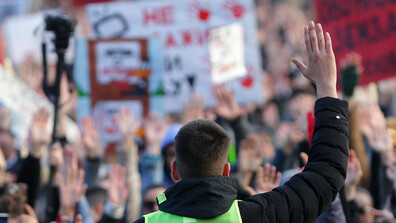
pixel 150 198
pixel 204 189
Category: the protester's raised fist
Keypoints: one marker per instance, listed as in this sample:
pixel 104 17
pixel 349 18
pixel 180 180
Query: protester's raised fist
pixel 321 68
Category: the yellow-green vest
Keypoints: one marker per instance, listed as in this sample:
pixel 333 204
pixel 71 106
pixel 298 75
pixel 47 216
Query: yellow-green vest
pixel 231 216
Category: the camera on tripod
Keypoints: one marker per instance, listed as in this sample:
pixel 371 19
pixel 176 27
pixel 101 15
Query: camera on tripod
pixel 63 28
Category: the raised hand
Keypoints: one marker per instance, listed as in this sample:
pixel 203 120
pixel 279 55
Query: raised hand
pixel 226 106
pixel 250 155
pixel 29 217
pixel 72 189
pixel 119 186
pixel 70 160
pixel 127 123
pixel 39 134
pixel 91 137
pixel 194 108
pixel 266 179
pixel 249 159
pixel 321 68
pixel 154 132
pixel 373 127
pixel 354 171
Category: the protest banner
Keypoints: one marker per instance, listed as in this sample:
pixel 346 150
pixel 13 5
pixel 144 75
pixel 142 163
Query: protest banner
pixel 23 36
pixel 366 27
pixel 23 102
pixel 226 53
pixel 183 27
pixel 119 74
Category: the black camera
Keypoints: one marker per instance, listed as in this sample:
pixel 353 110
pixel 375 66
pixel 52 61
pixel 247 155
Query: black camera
pixel 63 28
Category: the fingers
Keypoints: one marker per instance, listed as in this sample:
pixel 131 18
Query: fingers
pixel 273 176
pixel 308 45
pixel 313 37
pixel 278 178
pixel 329 45
pixel 80 179
pixel 267 172
pixel 250 190
pixel 304 158
pixel 321 40
pixel 29 210
pixel 300 65
pixel 260 175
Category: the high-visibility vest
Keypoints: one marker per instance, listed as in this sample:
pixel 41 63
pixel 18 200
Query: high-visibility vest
pixel 231 216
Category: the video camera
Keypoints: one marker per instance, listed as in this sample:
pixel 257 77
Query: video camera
pixel 63 28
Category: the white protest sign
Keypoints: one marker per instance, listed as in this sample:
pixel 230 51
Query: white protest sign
pixel 226 53
pixel 23 36
pixel 183 27
pixel 115 59
pixel 104 112
pixel 23 102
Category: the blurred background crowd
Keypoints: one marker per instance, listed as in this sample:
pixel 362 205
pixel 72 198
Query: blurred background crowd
pixel 271 139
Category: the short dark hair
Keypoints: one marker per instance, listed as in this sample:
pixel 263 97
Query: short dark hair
pixel 201 149
pixel 96 195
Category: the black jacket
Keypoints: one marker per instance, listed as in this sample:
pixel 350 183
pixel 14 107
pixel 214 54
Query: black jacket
pixel 301 199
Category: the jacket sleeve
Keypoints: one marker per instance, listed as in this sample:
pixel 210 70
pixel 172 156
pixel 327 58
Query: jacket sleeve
pixel 307 194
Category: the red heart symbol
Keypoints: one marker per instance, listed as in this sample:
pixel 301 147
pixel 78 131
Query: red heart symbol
pixel 247 81
pixel 204 15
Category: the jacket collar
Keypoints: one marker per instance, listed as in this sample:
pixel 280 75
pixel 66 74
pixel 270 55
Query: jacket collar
pixel 201 198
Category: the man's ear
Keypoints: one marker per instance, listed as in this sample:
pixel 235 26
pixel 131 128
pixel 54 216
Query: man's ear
pixel 227 169
pixel 174 173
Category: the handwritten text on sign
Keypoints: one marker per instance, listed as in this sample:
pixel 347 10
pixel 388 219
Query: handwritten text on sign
pixel 366 27
pixel 226 53
pixel 183 27
pixel 115 60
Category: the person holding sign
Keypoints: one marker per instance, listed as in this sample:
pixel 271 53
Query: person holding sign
pixel 205 193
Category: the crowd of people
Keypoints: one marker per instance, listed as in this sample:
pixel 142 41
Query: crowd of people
pixel 270 143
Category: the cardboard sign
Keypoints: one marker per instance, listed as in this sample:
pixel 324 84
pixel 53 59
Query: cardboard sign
pixel 119 77
pixel 183 28
pixel 366 27
pixel 226 53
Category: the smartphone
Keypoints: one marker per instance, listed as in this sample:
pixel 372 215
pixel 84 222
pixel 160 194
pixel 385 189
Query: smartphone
pixel 17 193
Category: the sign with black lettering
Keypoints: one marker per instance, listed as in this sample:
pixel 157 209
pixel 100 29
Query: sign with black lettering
pixel 367 27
